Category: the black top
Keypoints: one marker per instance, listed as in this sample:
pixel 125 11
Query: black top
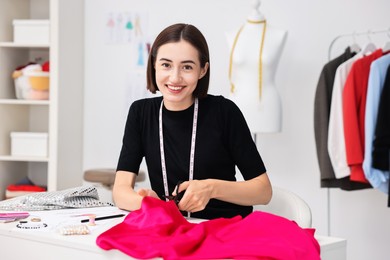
pixel 223 141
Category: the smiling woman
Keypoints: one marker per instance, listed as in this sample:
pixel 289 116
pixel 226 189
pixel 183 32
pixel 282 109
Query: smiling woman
pixel 180 48
pixel 177 73
pixel 189 136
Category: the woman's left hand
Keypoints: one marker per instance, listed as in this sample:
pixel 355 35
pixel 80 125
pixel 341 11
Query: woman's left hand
pixel 197 195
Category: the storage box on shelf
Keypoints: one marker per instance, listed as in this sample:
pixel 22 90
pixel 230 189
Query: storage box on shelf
pixel 29 144
pixel 31 31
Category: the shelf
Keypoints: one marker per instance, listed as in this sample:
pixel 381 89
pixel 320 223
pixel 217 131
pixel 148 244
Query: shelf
pixel 64 49
pixel 23 45
pixel 23 102
pixel 23 158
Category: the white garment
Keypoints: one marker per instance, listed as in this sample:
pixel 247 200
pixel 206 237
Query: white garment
pixel 263 112
pixel 336 141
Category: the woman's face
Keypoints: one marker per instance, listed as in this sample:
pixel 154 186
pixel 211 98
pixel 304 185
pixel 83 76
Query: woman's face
pixel 178 70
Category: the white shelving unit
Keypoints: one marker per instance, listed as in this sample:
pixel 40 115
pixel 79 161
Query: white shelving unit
pixel 62 115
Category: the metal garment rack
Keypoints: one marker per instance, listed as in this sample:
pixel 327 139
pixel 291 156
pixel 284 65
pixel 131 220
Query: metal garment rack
pixel 353 35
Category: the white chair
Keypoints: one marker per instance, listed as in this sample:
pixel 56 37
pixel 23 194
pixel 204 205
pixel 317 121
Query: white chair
pixel 289 205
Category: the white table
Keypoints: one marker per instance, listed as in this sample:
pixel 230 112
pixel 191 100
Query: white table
pixel 48 243
pixel 332 248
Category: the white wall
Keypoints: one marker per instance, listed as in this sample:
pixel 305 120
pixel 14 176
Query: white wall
pixel 360 216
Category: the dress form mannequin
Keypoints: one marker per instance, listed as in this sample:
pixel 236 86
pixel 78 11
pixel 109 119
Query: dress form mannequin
pixel 255 54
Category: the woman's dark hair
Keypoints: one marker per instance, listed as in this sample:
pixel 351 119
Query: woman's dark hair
pixel 175 33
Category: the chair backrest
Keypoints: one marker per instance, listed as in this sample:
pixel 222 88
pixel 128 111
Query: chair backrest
pixel 289 205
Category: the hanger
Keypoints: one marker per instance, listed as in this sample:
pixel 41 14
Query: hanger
pixel 355 47
pixel 386 48
pixel 370 47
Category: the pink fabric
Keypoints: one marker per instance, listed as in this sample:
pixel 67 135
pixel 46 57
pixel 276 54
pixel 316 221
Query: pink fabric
pixel 159 230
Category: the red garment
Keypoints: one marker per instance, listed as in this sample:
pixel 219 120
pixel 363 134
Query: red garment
pixel 354 107
pixel 159 230
pixel 25 187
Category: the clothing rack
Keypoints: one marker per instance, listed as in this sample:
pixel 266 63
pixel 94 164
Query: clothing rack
pixel 353 35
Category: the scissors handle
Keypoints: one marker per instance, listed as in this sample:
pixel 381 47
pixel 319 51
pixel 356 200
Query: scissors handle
pixel 178 196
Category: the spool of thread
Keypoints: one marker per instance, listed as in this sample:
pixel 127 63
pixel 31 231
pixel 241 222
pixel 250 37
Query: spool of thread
pixel 92 220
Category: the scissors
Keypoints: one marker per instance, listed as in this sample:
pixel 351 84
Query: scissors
pixel 176 198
